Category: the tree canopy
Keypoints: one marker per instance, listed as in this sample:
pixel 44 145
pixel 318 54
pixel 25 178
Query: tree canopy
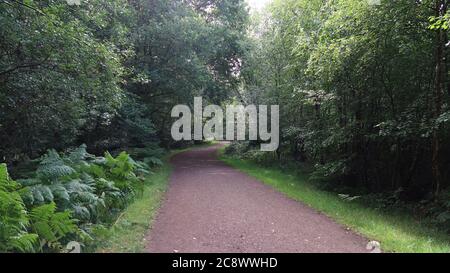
pixel 363 89
pixel 107 73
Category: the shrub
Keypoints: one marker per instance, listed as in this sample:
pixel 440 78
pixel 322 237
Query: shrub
pixel 237 148
pixel 74 194
pixel 51 226
pixel 13 217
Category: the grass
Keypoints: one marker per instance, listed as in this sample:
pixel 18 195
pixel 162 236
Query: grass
pixel 128 233
pixel 395 231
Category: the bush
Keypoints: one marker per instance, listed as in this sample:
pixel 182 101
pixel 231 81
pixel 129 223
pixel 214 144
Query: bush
pixel 250 151
pixel 237 148
pixel 21 231
pixel 263 158
pixel 151 154
pixel 13 217
pixel 69 196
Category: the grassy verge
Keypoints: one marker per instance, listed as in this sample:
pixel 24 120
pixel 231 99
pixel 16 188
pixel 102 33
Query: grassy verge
pixel 396 232
pixel 127 235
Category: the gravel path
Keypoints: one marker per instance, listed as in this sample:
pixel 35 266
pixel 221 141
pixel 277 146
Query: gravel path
pixel 211 207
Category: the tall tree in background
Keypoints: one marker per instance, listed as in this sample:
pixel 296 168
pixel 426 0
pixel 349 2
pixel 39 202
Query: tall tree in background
pixel 107 73
pixel 361 89
pixel 441 74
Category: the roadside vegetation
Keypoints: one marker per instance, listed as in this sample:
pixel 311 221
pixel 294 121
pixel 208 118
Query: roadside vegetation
pixel 364 99
pixel 77 81
pixel 73 196
pixel 363 90
pixel 396 230
pixel 128 233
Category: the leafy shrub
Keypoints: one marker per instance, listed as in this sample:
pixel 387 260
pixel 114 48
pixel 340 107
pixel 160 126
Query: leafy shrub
pixel 57 181
pixel 71 194
pixel 83 183
pixel 237 148
pixel 439 210
pixel 51 226
pixel 13 217
pixel 257 156
pixel 251 151
pixel 122 171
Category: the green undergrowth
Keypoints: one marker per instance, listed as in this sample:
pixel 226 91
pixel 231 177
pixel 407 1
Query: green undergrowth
pixel 397 232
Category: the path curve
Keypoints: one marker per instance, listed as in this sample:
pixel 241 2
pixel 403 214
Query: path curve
pixel 211 207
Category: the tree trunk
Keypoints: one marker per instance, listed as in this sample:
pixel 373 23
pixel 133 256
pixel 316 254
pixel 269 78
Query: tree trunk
pixel 439 89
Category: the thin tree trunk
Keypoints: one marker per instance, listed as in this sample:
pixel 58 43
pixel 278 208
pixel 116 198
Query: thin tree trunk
pixel 439 90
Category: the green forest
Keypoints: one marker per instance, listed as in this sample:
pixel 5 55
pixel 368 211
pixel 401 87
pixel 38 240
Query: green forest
pixel 86 93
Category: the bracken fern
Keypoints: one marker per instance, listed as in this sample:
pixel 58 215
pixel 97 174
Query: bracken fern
pixel 13 217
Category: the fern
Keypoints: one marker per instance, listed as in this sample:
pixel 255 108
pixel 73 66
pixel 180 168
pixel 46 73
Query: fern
pixel 51 226
pixel 44 193
pixel 60 193
pixel 52 167
pixel 13 217
pixel 23 242
pixel 150 151
pixel 153 161
pixel 81 212
pixel 77 189
pixel 79 156
pixel 85 203
pixel 113 197
pixel 150 155
pixel 122 170
pixel 122 166
pixel 40 194
pixel 95 170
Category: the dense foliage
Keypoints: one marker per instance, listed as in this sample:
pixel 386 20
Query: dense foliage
pixel 106 73
pixel 70 197
pixel 363 91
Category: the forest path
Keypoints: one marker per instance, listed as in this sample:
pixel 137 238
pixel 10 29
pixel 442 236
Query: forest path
pixel 211 207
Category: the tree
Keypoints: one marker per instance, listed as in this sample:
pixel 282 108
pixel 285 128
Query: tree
pixel 361 89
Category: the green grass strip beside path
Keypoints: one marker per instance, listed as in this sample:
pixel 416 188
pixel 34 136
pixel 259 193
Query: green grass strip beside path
pixel 127 235
pixel 396 232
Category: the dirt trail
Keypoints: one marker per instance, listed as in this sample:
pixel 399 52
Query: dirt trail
pixel 211 207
